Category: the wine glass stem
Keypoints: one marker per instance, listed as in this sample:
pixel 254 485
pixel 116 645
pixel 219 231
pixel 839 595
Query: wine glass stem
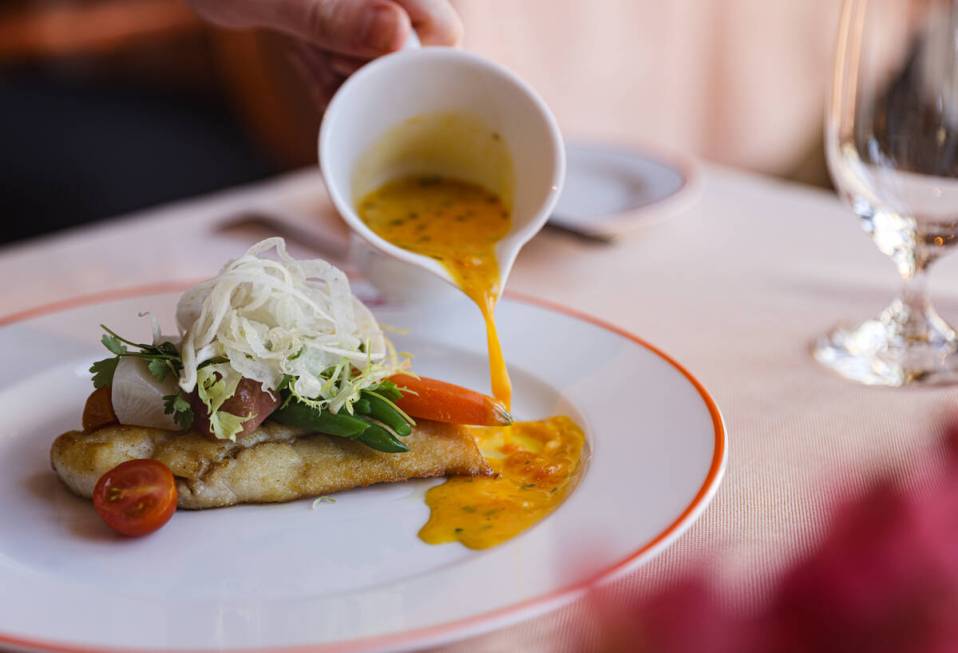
pixel 912 315
pixel 914 290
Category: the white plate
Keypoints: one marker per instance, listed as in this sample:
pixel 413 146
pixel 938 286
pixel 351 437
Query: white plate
pixel 349 575
pixel 609 189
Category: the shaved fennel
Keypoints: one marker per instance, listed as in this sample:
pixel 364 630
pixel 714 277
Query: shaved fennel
pixel 286 323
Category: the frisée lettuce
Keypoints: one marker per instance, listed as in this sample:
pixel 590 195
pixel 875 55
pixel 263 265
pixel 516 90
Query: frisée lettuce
pixel 288 324
pixel 293 327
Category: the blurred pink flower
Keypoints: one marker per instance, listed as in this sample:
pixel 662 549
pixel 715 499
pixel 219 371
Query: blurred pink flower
pixel 685 617
pixel 883 579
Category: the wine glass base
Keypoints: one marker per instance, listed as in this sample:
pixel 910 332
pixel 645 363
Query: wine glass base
pixel 872 353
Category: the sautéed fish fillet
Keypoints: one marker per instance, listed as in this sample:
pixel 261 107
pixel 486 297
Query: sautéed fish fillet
pixel 274 463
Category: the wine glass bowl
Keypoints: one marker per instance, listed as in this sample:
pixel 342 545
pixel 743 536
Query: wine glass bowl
pixel 891 139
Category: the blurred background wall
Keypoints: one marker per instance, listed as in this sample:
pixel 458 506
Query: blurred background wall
pixel 108 106
pixel 740 82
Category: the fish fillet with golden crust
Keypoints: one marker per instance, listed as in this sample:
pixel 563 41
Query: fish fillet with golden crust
pixel 275 463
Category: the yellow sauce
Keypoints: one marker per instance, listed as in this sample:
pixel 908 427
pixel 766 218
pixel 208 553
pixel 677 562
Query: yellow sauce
pixel 458 224
pixel 538 465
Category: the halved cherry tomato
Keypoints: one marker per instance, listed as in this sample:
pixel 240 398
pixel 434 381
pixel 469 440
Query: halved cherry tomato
pixel 136 497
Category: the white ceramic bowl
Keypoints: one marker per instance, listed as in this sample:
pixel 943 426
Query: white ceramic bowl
pixel 433 81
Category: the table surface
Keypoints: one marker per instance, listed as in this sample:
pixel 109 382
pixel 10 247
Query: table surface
pixel 735 285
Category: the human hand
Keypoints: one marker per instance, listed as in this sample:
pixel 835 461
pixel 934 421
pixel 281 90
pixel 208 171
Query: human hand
pixel 336 37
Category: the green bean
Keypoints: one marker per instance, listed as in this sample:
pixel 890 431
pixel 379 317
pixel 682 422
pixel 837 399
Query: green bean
pixel 361 406
pixel 388 390
pixel 388 413
pixel 380 439
pixel 298 414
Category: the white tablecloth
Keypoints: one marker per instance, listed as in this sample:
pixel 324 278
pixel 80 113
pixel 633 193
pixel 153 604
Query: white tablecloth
pixel 735 286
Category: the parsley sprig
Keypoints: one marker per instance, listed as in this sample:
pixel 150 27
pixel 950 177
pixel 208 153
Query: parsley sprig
pixel 179 407
pixel 161 359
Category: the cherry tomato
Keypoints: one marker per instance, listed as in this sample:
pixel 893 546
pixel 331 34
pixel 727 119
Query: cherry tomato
pixel 136 497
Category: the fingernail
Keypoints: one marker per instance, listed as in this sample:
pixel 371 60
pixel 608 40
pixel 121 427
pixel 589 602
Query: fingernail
pixel 380 29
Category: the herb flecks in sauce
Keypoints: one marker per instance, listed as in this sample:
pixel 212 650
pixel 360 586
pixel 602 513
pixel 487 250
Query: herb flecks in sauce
pixel 538 464
pixel 458 224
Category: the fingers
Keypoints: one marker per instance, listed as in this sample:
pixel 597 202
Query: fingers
pixel 337 37
pixel 343 65
pixel 316 70
pixel 324 72
pixel 356 28
pixel 435 21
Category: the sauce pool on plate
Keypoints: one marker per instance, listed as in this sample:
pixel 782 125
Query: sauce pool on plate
pixel 538 465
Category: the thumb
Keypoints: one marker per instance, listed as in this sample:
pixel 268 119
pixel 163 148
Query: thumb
pixel 359 28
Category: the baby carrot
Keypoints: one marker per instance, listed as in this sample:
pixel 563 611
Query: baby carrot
pixel 444 402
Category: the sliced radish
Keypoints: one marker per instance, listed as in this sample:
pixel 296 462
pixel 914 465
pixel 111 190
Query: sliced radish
pixel 138 396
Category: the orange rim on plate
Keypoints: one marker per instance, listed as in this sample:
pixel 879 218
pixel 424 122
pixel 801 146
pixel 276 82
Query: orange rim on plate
pixel 476 624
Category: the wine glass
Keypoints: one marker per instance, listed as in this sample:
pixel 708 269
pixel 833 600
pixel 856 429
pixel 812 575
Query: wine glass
pixel 891 138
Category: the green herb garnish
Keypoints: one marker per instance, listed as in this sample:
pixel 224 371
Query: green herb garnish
pixel 372 417
pixel 181 410
pixel 215 385
pixel 162 359
pixel 378 422
pixel 103 371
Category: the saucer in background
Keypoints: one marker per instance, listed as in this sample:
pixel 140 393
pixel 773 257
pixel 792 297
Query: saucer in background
pixel 610 190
